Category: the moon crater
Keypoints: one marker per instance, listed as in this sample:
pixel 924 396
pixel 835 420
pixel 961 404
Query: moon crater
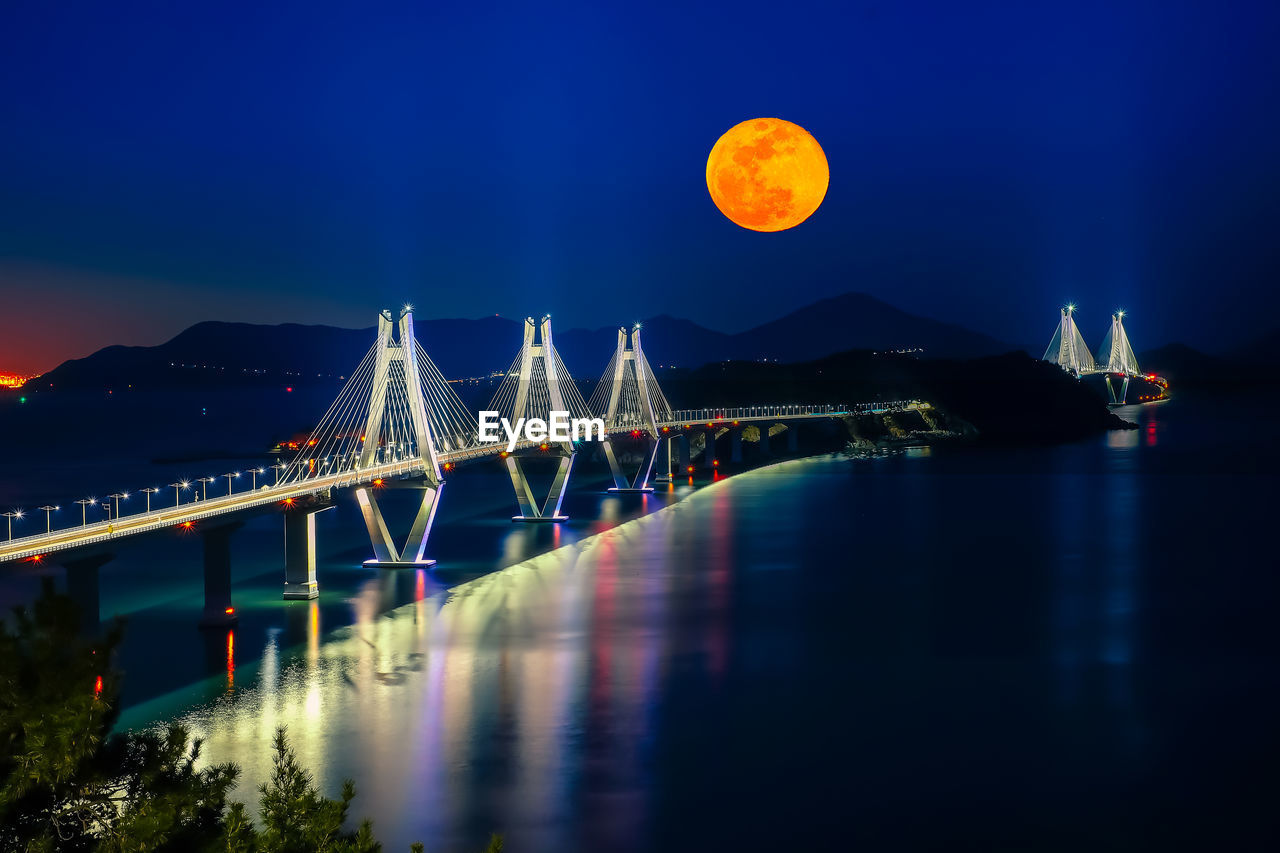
pixel 767 174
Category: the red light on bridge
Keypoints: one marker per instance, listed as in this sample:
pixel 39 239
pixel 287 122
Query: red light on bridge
pixel 448 466
pixel 37 558
pixel 715 463
pixel 504 454
pixel 635 433
pixel 289 389
pixel 287 501
pixel 543 446
pixel 378 482
pixel 230 610
pixel 666 429
pixel 690 469
pixel 187 525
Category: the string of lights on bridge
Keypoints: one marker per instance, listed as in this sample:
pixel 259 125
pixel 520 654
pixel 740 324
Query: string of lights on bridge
pixel 398 417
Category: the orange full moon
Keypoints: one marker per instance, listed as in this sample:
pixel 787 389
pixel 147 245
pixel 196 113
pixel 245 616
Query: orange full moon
pixel 767 174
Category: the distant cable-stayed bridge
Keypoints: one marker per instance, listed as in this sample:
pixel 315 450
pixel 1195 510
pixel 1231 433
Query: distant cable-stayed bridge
pixel 1116 358
pixel 397 423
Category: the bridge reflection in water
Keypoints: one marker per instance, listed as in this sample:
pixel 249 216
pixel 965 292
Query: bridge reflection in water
pixel 488 704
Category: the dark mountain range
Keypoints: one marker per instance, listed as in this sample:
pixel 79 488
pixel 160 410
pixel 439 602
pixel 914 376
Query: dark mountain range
pixel 1186 367
pixel 228 353
pixel 1264 350
pixel 1009 398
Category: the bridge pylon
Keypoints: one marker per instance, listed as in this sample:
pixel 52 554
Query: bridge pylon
pixel 386 429
pixel 537 384
pixel 1067 348
pixel 629 400
pixel 1120 359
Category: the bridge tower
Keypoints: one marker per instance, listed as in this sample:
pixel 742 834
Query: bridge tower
pixel 1067 348
pixel 629 400
pixel 386 429
pixel 406 380
pixel 1120 359
pixel 537 384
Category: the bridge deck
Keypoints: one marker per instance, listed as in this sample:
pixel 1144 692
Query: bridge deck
pixel 100 532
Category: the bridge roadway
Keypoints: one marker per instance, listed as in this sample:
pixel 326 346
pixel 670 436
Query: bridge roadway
pixel 97 533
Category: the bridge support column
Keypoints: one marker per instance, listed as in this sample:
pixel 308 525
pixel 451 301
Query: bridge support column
pixel 641 482
pixel 300 554
pixel 735 444
pixel 529 508
pixel 667 474
pixel 82 588
pixel 1117 399
pixel 793 438
pixel 386 554
pixel 764 440
pixel 709 450
pixel 683 452
pixel 219 612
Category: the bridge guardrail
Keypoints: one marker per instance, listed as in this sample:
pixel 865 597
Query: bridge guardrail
pixel 747 413
pixel 101 531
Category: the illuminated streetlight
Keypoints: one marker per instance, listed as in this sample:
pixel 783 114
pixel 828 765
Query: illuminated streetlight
pixel 253 475
pixel 84 504
pixel 17 513
pixel 231 476
pixel 175 486
pixel 116 497
pixel 149 492
pixel 204 486
pixel 48 522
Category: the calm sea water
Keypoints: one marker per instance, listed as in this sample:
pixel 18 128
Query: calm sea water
pixel 1062 648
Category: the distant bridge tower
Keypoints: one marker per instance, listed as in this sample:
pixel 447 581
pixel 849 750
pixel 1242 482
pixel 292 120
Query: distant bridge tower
pixel 1067 348
pixel 537 384
pixel 629 399
pixel 1119 356
pixel 385 430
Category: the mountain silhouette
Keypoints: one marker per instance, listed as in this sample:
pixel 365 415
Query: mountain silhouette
pixel 229 353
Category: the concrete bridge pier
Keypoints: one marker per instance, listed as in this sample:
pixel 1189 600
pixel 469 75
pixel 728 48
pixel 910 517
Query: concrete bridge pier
pixel 668 473
pixel 709 451
pixel 219 612
pixel 621 482
pixel 793 437
pixel 82 588
pixel 300 554
pixel 549 510
pixel 682 445
pixel 764 440
pixel 735 444
pixel 1117 399
pixel 386 554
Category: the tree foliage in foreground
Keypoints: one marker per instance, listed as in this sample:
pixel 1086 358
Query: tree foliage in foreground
pixel 68 784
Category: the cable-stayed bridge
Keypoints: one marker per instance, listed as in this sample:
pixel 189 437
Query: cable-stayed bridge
pixel 397 423
pixel 1116 358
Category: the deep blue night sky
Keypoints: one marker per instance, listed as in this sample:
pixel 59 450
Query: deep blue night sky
pixel 162 164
